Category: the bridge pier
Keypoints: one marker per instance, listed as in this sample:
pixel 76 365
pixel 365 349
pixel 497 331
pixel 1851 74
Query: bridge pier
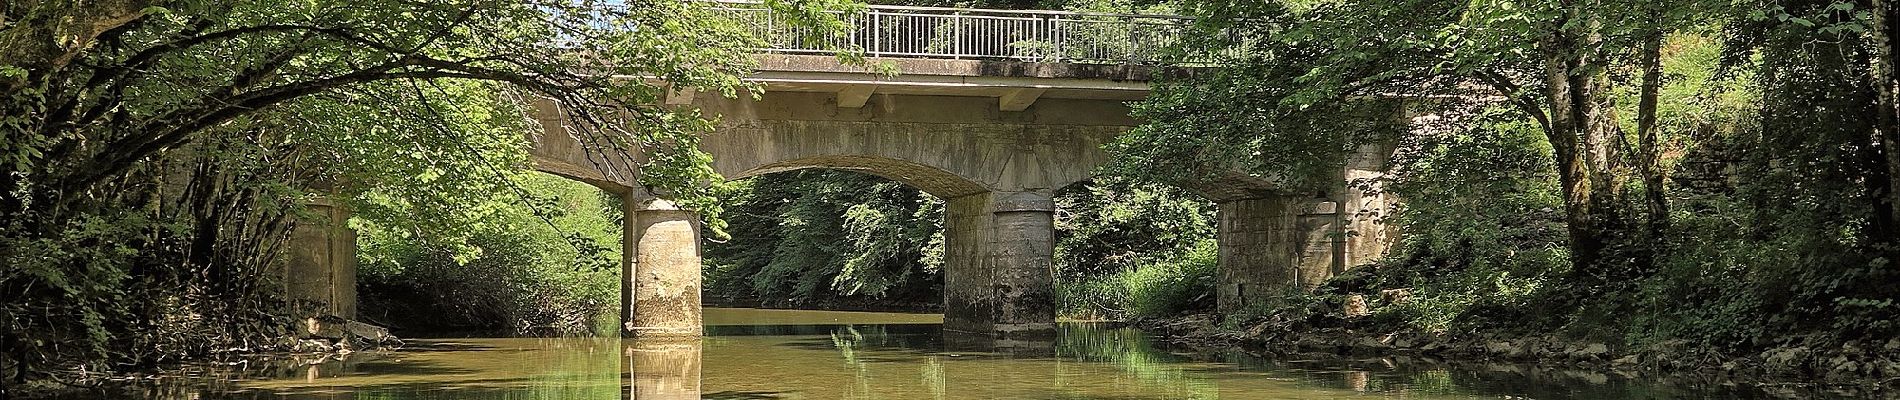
pixel 998 254
pixel 661 267
pixel 1272 244
pixel 319 270
pixel 1256 252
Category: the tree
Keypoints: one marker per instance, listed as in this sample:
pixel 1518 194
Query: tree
pixel 1299 76
pixel 829 237
pixel 1882 30
pixel 136 136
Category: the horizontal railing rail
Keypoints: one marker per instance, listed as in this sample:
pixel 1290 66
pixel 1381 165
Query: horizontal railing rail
pixel 959 33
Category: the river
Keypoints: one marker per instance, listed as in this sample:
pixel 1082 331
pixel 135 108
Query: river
pixel 781 354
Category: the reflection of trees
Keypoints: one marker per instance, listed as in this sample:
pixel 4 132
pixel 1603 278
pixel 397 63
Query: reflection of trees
pixel 514 369
pixel 863 350
pixel 846 341
pixel 934 377
pixel 1082 362
pixel 1134 353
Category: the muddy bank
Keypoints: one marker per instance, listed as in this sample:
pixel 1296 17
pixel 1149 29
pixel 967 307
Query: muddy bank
pixel 1798 369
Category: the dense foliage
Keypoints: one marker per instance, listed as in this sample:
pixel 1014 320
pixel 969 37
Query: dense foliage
pixel 829 237
pixel 1129 249
pixel 1633 171
pixel 546 262
pixel 845 239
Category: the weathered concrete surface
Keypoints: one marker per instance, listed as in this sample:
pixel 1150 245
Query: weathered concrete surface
pixel 560 150
pixel 1272 245
pixel 320 267
pixel 998 272
pixel 1366 205
pixel 1021 265
pixel 1276 243
pixel 946 145
pixel 1319 234
pixel 969 300
pixel 1256 250
pixel 660 297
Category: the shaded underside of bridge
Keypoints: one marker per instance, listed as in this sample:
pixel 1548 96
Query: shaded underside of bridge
pixel 994 139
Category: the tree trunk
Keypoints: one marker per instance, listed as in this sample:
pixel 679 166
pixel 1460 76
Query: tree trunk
pixel 1886 30
pixel 1648 151
pixel 1587 141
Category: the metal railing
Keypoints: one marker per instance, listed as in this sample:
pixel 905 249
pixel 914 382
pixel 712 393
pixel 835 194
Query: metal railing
pixel 933 32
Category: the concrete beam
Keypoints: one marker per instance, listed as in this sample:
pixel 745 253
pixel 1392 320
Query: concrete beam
pixel 1019 99
pixel 561 149
pixel 854 96
pixel 949 146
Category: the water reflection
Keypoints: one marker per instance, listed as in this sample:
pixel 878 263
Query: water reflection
pixel 662 369
pixel 877 361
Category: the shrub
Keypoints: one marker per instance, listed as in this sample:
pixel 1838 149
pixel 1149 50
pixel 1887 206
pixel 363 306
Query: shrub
pixel 1165 288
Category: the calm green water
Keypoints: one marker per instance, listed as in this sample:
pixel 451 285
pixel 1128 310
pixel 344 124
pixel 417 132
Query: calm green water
pixel 770 354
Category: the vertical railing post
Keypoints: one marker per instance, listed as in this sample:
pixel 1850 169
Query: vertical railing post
pixel 1129 24
pixel 1055 38
pixel 956 34
pixel 877 32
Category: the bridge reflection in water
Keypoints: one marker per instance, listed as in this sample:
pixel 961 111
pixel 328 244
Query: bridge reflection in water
pixel 662 369
pixel 877 356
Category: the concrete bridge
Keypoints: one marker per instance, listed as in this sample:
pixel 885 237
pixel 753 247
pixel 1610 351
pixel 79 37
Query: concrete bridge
pixel 989 127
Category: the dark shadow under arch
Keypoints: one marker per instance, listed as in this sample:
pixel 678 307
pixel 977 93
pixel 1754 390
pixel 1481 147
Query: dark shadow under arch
pixel 932 180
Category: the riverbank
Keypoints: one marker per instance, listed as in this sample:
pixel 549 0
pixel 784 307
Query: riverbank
pixel 313 341
pixel 1858 370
